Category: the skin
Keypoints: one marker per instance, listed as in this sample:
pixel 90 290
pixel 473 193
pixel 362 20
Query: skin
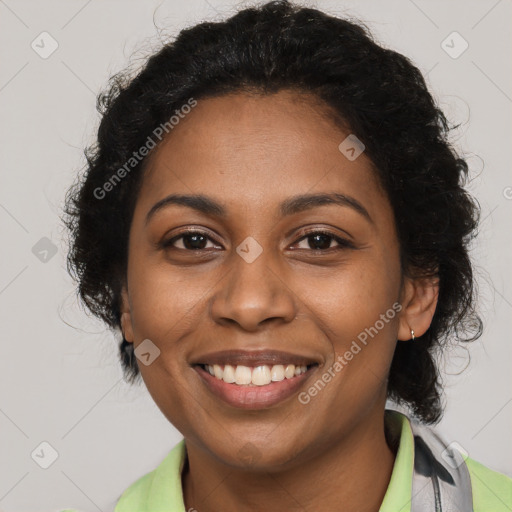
pixel 250 153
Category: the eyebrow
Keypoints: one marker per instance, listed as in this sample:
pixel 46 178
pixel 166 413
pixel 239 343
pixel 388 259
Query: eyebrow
pixel 290 206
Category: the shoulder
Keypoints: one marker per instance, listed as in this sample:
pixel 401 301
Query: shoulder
pixel 491 490
pixel 136 495
pixel 159 489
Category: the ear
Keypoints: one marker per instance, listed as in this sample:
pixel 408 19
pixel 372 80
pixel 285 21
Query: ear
pixel 419 301
pixel 126 318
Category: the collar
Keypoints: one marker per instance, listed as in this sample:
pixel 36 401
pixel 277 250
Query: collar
pixel 399 491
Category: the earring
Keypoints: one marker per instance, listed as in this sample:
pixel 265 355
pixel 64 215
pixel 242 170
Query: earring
pixel 412 335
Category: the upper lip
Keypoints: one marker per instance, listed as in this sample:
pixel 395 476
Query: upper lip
pixel 254 358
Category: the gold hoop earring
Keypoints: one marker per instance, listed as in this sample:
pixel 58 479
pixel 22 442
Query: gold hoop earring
pixel 412 335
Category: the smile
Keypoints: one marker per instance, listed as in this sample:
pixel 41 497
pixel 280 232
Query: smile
pixel 257 387
pixel 241 375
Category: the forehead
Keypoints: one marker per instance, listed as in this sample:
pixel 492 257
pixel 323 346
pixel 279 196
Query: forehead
pixel 245 147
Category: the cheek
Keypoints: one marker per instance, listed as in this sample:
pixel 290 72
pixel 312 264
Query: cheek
pixel 163 300
pixel 352 298
pixel 357 309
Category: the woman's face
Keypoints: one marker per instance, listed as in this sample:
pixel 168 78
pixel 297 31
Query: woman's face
pixel 258 286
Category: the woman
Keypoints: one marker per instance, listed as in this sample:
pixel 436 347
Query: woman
pixel 274 219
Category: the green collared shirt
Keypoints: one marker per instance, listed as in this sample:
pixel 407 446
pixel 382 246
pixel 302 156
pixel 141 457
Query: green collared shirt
pixel 161 491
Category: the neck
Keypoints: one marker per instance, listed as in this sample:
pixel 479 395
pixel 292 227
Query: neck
pixel 355 472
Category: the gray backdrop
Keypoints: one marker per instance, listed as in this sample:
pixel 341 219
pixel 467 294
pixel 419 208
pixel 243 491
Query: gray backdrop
pixel 61 381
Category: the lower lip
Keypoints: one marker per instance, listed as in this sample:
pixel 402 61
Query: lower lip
pixel 251 396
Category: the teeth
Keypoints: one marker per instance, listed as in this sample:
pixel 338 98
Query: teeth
pixel 299 369
pixel 277 373
pixel 229 374
pixel 242 374
pixel 217 370
pixel 261 376
pixel 258 376
pixel 289 371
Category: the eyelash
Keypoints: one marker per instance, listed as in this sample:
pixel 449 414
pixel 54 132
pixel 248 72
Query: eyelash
pixel 343 243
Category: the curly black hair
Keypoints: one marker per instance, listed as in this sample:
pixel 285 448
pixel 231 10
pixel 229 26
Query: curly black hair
pixel 376 92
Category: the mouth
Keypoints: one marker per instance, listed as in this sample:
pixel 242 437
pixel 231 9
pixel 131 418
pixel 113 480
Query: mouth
pixel 254 380
pixel 241 375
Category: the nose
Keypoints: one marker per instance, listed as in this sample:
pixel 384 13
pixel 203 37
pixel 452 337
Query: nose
pixel 253 294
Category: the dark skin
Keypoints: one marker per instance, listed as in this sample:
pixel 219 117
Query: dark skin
pixel 250 153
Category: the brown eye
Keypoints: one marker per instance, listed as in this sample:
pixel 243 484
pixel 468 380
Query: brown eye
pixel 190 241
pixel 322 240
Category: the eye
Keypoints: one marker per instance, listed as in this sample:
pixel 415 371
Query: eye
pixel 317 241
pixel 321 241
pixel 190 240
